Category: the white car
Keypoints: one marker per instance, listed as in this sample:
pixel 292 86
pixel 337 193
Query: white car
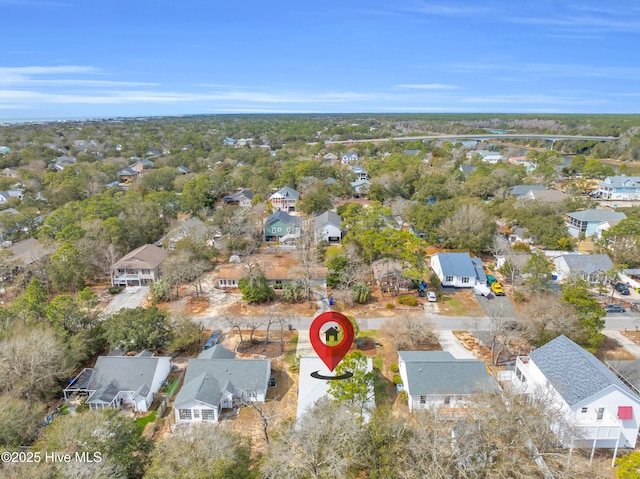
pixel 431 297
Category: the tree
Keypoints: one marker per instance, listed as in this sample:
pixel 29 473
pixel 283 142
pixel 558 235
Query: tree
pixel 32 303
pixel 409 332
pixel 114 436
pixel 537 272
pixel 138 328
pixel 20 420
pixel 255 288
pixel 185 334
pixel 628 466
pixel 588 312
pixel 357 391
pixel 470 228
pixel 201 452
pixel 361 292
pixel 293 292
pixel 546 316
pixel 315 202
pixel 65 312
pixel 67 269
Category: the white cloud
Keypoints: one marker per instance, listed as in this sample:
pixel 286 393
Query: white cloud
pixel 427 86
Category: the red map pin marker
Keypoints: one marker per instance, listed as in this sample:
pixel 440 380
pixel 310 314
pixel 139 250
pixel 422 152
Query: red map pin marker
pixel 331 355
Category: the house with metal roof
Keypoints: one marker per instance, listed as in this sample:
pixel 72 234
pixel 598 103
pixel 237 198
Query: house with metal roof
pixel 437 379
pixel 619 188
pixel 458 270
pixel 585 222
pixel 139 267
pixel 217 381
pixel 521 190
pixel 281 226
pixel 599 409
pixel 284 199
pixel 590 267
pixel 242 198
pixel 121 381
pixel 327 227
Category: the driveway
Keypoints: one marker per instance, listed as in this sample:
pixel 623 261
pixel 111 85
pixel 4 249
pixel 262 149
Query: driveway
pixel 130 297
pixel 449 343
pixel 497 306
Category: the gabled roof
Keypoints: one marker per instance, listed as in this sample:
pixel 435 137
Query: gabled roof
pixel 207 379
pixel 183 169
pixel 622 181
pixel 286 192
pixel 548 196
pixel 217 352
pixel 458 264
pixel 27 251
pixel 285 218
pixel 575 373
pixel 587 263
pixel 438 372
pixel 328 217
pixel 127 172
pixel 597 215
pixel 113 374
pixel 520 190
pixel 239 195
pixel 145 257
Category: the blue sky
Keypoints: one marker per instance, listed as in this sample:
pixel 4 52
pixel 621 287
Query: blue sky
pixel 72 58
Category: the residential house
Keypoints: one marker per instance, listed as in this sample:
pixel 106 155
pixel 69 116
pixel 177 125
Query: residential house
pixel 585 222
pixel 360 187
pixel 192 228
pixel 435 379
pixel 229 142
pixel 330 181
pixel 139 267
pixel 522 160
pixel 520 234
pixel 545 196
pixel 600 409
pixel 166 151
pixel 5 196
pixel 217 381
pixel 459 270
pixel 244 142
pixel 327 227
pixel 284 199
pixel 183 170
pixel 27 251
pixel 281 226
pixel 62 162
pixel 411 152
pixel 593 268
pixel 4 149
pixel 619 188
pixel 348 158
pixel 127 175
pixel 467 169
pixel 152 153
pixel 487 156
pixel 521 190
pixel 243 198
pixel 121 381
pixel 141 165
pixel 9 172
pixel 360 172
pixel 330 157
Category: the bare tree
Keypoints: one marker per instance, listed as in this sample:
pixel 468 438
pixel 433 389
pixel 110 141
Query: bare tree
pixel 235 323
pixel 546 316
pixel 500 323
pixel 307 253
pixel 409 332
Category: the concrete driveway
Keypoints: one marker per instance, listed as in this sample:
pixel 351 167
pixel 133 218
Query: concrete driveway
pixel 497 306
pixel 130 297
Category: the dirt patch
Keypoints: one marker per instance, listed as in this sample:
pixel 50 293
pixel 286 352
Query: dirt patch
pixel 632 335
pixel 260 347
pixel 610 349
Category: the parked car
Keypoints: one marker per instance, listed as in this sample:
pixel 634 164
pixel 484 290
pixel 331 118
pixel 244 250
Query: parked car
pixel 431 297
pixel 497 289
pixel 621 288
pixel 213 340
pixel 491 279
pixel 614 308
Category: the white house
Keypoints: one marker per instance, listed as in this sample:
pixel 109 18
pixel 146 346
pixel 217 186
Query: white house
pixel 360 172
pixel 437 379
pixel 242 198
pixel 327 227
pixel 458 270
pixel 601 411
pixel 590 267
pixel 348 158
pixel 619 188
pixel 122 381
pixel 487 156
pixel 284 199
pixel 217 381
pixel 5 196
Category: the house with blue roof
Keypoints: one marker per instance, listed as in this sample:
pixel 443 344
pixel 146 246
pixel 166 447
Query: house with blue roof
pixel 458 270
pixel 600 411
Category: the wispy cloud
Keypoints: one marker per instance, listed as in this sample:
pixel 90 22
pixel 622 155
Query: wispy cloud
pixel 427 86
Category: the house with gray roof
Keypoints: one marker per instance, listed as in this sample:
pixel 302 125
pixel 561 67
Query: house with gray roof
pixel 600 411
pixel 242 198
pixel 217 381
pixel 620 187
pixel 437 379
pixel 590 267
pixel 586 222
pixel 327 227
pixel 458 270
pixel 545 196
pixel 521 190
pixel 121 381
pixel 284 199
pixel 139 267
pixel 5 196
pixel 281 226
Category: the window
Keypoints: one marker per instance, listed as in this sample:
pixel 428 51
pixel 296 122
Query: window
pixel 584 410
pixel 465 280
pixel 521 376
pixel 273 230
pixel 185 414
pixel 447 400
pixel 196 414
pixel 423 399
pixel 448 279
pixel 279 230
pixel 208 415
pixel 600 414
pixel 288 230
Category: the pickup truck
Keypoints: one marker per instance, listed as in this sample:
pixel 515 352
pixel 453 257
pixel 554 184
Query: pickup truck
pixel 497 289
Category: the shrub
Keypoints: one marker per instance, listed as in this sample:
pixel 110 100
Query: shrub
pixel 361 293
pixel 397 379
pixel 408 300
pixel 394 368
pixel 435 281
pixel 390 306
pixel 519 297
pixel 403 396
pixel 114 289
pixel 293 292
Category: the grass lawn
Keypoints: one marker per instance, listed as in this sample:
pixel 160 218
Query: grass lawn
pixel 142 422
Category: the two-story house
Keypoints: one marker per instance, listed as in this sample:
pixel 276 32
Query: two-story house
pixel 139 267
pixel 586 222
pixel 242 198
pixel 619 188
pixel 459 270
pixel 600 411
pixel 281 226
pixel 328 227
pixel 284 199
pixel 348 158
pixel 359 172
